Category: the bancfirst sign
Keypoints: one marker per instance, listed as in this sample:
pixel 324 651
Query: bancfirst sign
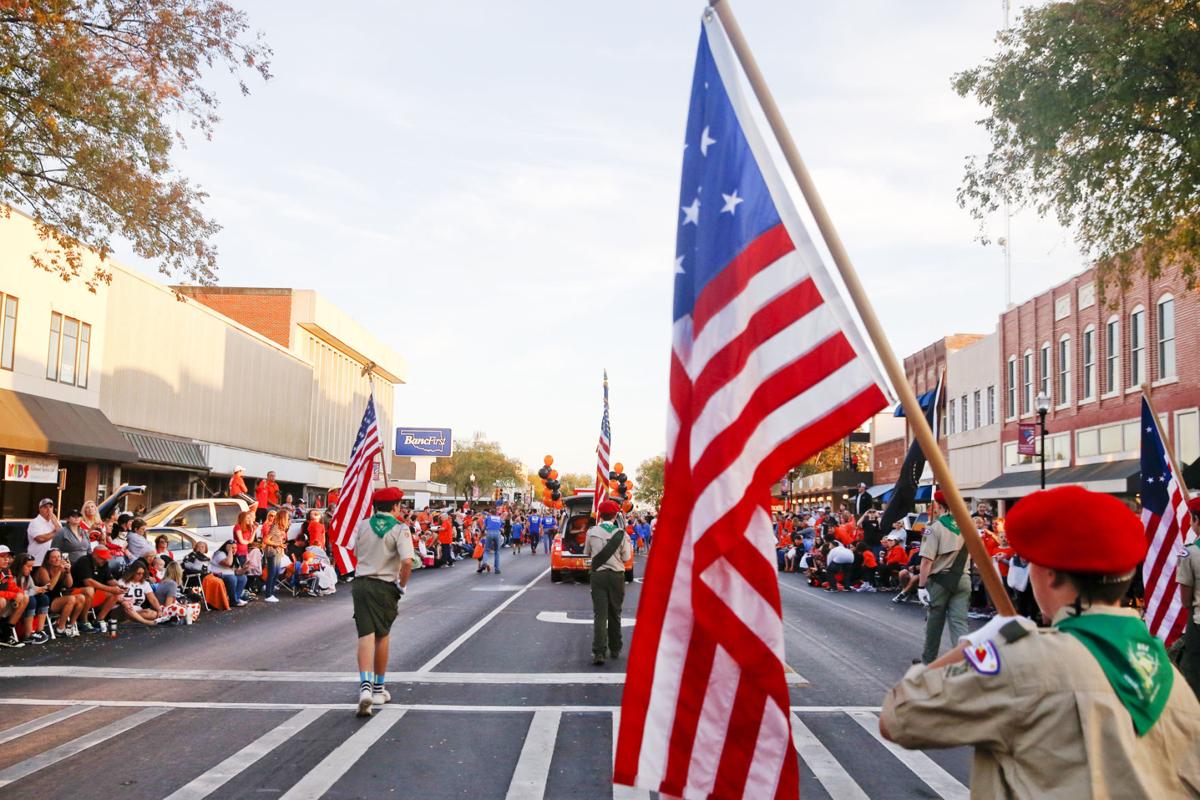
pixel 424 442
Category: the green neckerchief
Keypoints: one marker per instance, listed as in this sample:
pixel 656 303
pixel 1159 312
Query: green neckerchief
pixel 1134 662
pixel 948 521
pixel 382 523
pixel 608 526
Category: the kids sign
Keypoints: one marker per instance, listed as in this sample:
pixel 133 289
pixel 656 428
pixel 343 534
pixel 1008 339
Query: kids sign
pixel 435 442
pixel 30 469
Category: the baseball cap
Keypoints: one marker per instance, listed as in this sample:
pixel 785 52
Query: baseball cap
pixel 45 501
pixel 239 469
pixel 74 512
pixel 4 550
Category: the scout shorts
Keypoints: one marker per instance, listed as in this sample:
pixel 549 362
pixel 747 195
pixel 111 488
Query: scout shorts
pixel 374 606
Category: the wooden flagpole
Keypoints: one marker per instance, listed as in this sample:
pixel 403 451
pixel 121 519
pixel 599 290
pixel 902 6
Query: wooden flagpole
pixel 1166 440
pixel 368 372
pixel 895 371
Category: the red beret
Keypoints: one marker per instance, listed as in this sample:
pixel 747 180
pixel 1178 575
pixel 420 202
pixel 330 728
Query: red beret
pixel 1194 505
pixel 1074 530
pixel 391 494
pixel 939 497
pixel 609 508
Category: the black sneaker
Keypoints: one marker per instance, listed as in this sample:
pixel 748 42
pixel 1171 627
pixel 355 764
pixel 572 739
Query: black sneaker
pixel 87 627
pixel 11 640
pixel 598 661
pixel 38 637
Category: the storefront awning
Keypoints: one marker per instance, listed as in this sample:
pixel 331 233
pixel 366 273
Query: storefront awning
pixel 1113 477
pixel 880 490
pixel 923 494
pixel 41 425
pixel 164 450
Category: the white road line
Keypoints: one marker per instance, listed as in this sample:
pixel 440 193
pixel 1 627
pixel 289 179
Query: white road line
pixel 829 772
pixel 497 588
pixel 476 709
pixel 533 767
pixel 561 617
pixel 620 790
pixel 211 780
pixel 921 765
pixel 17 731
pixel 474 629
pixel 51 757
pixel 321 778
pixel 258 676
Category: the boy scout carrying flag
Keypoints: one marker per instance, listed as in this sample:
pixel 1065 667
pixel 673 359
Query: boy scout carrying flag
pixel 1088 708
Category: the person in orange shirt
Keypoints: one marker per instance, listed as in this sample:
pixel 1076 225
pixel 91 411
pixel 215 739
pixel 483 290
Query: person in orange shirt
pixel 445 529
pixel 315 529
pixel 238 490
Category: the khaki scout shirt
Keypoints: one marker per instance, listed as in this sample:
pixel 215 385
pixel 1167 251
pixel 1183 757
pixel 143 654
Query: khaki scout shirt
pixel 941 545
pixel 1187 570
pixel 381 556
pixel 597 537
pixel 1048 725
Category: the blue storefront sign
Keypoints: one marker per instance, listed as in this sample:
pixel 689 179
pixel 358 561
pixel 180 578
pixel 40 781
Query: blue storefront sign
pixel 424 442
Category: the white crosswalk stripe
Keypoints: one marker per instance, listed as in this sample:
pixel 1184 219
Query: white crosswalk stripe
pixel 531 777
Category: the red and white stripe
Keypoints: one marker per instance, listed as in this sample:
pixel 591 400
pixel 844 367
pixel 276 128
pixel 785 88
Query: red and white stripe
pixel 602 457
pixel 354 502
pixel 1166 536
pixel 768 370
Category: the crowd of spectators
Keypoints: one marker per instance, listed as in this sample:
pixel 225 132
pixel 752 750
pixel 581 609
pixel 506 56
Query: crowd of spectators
pixel 835 550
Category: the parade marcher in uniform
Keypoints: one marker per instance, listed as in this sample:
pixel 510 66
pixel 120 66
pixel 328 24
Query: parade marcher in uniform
pixel 1089 708
pixel 384 550
pixel 943 585
pixel 1187 575
pixel 608 547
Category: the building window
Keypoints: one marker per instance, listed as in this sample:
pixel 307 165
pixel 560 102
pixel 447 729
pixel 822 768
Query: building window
pixel 1187 437
pixel 69 351
pixel 950 418
pixel 1044 370
pixel 1064 370
pixel 1166 337
pixel 1112 355
pixel 8 331
pixel 1027 386
pixel 1137 346
pixel 962 414
pixel 978 407
pixel 1010 406
pixel 991 405
pixel 1088 374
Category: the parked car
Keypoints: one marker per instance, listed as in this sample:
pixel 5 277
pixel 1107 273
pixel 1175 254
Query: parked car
pixel 14 532
pixel 209 518
pixel 566 553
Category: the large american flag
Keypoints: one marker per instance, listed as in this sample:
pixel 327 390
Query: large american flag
pixel 1168 530
pixel 603 450
pixel 767 368
pixel 355 497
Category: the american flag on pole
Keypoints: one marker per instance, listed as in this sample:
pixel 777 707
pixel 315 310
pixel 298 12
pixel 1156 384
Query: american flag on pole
pixel 1168 531
pixel 355 497
pixel 603 450
pixel 767 368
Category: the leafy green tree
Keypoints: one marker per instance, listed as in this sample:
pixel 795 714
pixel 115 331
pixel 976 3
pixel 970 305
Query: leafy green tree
pixel 91 92
pixel 1092 118
pixel 575 480
pixel 648 488
pixel 485 460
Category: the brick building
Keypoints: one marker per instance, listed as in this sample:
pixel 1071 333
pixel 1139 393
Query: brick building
pixel 922 369
pixel 1091 356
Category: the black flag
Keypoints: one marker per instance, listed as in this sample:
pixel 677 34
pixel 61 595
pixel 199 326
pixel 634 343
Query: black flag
pixel 905 493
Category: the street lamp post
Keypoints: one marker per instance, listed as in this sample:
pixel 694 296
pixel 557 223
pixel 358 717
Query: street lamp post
pixel 1043 406
pixel 472 489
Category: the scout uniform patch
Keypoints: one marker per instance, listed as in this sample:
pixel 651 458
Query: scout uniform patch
pixel 984 657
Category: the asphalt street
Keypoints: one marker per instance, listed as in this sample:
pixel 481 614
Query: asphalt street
pixel 493 696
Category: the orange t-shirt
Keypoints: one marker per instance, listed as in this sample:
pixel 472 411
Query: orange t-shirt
pixel 236 486
pixel 869 560
pixel 316 534
pixel 446 532
pixel 897 555
pixel 844 533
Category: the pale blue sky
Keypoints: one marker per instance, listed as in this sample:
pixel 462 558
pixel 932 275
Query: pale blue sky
pixel 491 188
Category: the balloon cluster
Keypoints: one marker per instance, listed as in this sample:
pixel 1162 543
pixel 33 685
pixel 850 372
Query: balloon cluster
pixel 619 487
pixel 551 488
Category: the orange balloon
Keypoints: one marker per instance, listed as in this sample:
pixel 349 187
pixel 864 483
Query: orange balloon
pixel 613 485
pixel 548 460
pixel 553 474
pixel 627 507
pixel 618 467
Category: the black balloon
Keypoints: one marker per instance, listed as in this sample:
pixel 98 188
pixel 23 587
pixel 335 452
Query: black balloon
pixel 543 473
pixel 612 475
pixel 556 495
pixel 553 485
pixel 622 477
